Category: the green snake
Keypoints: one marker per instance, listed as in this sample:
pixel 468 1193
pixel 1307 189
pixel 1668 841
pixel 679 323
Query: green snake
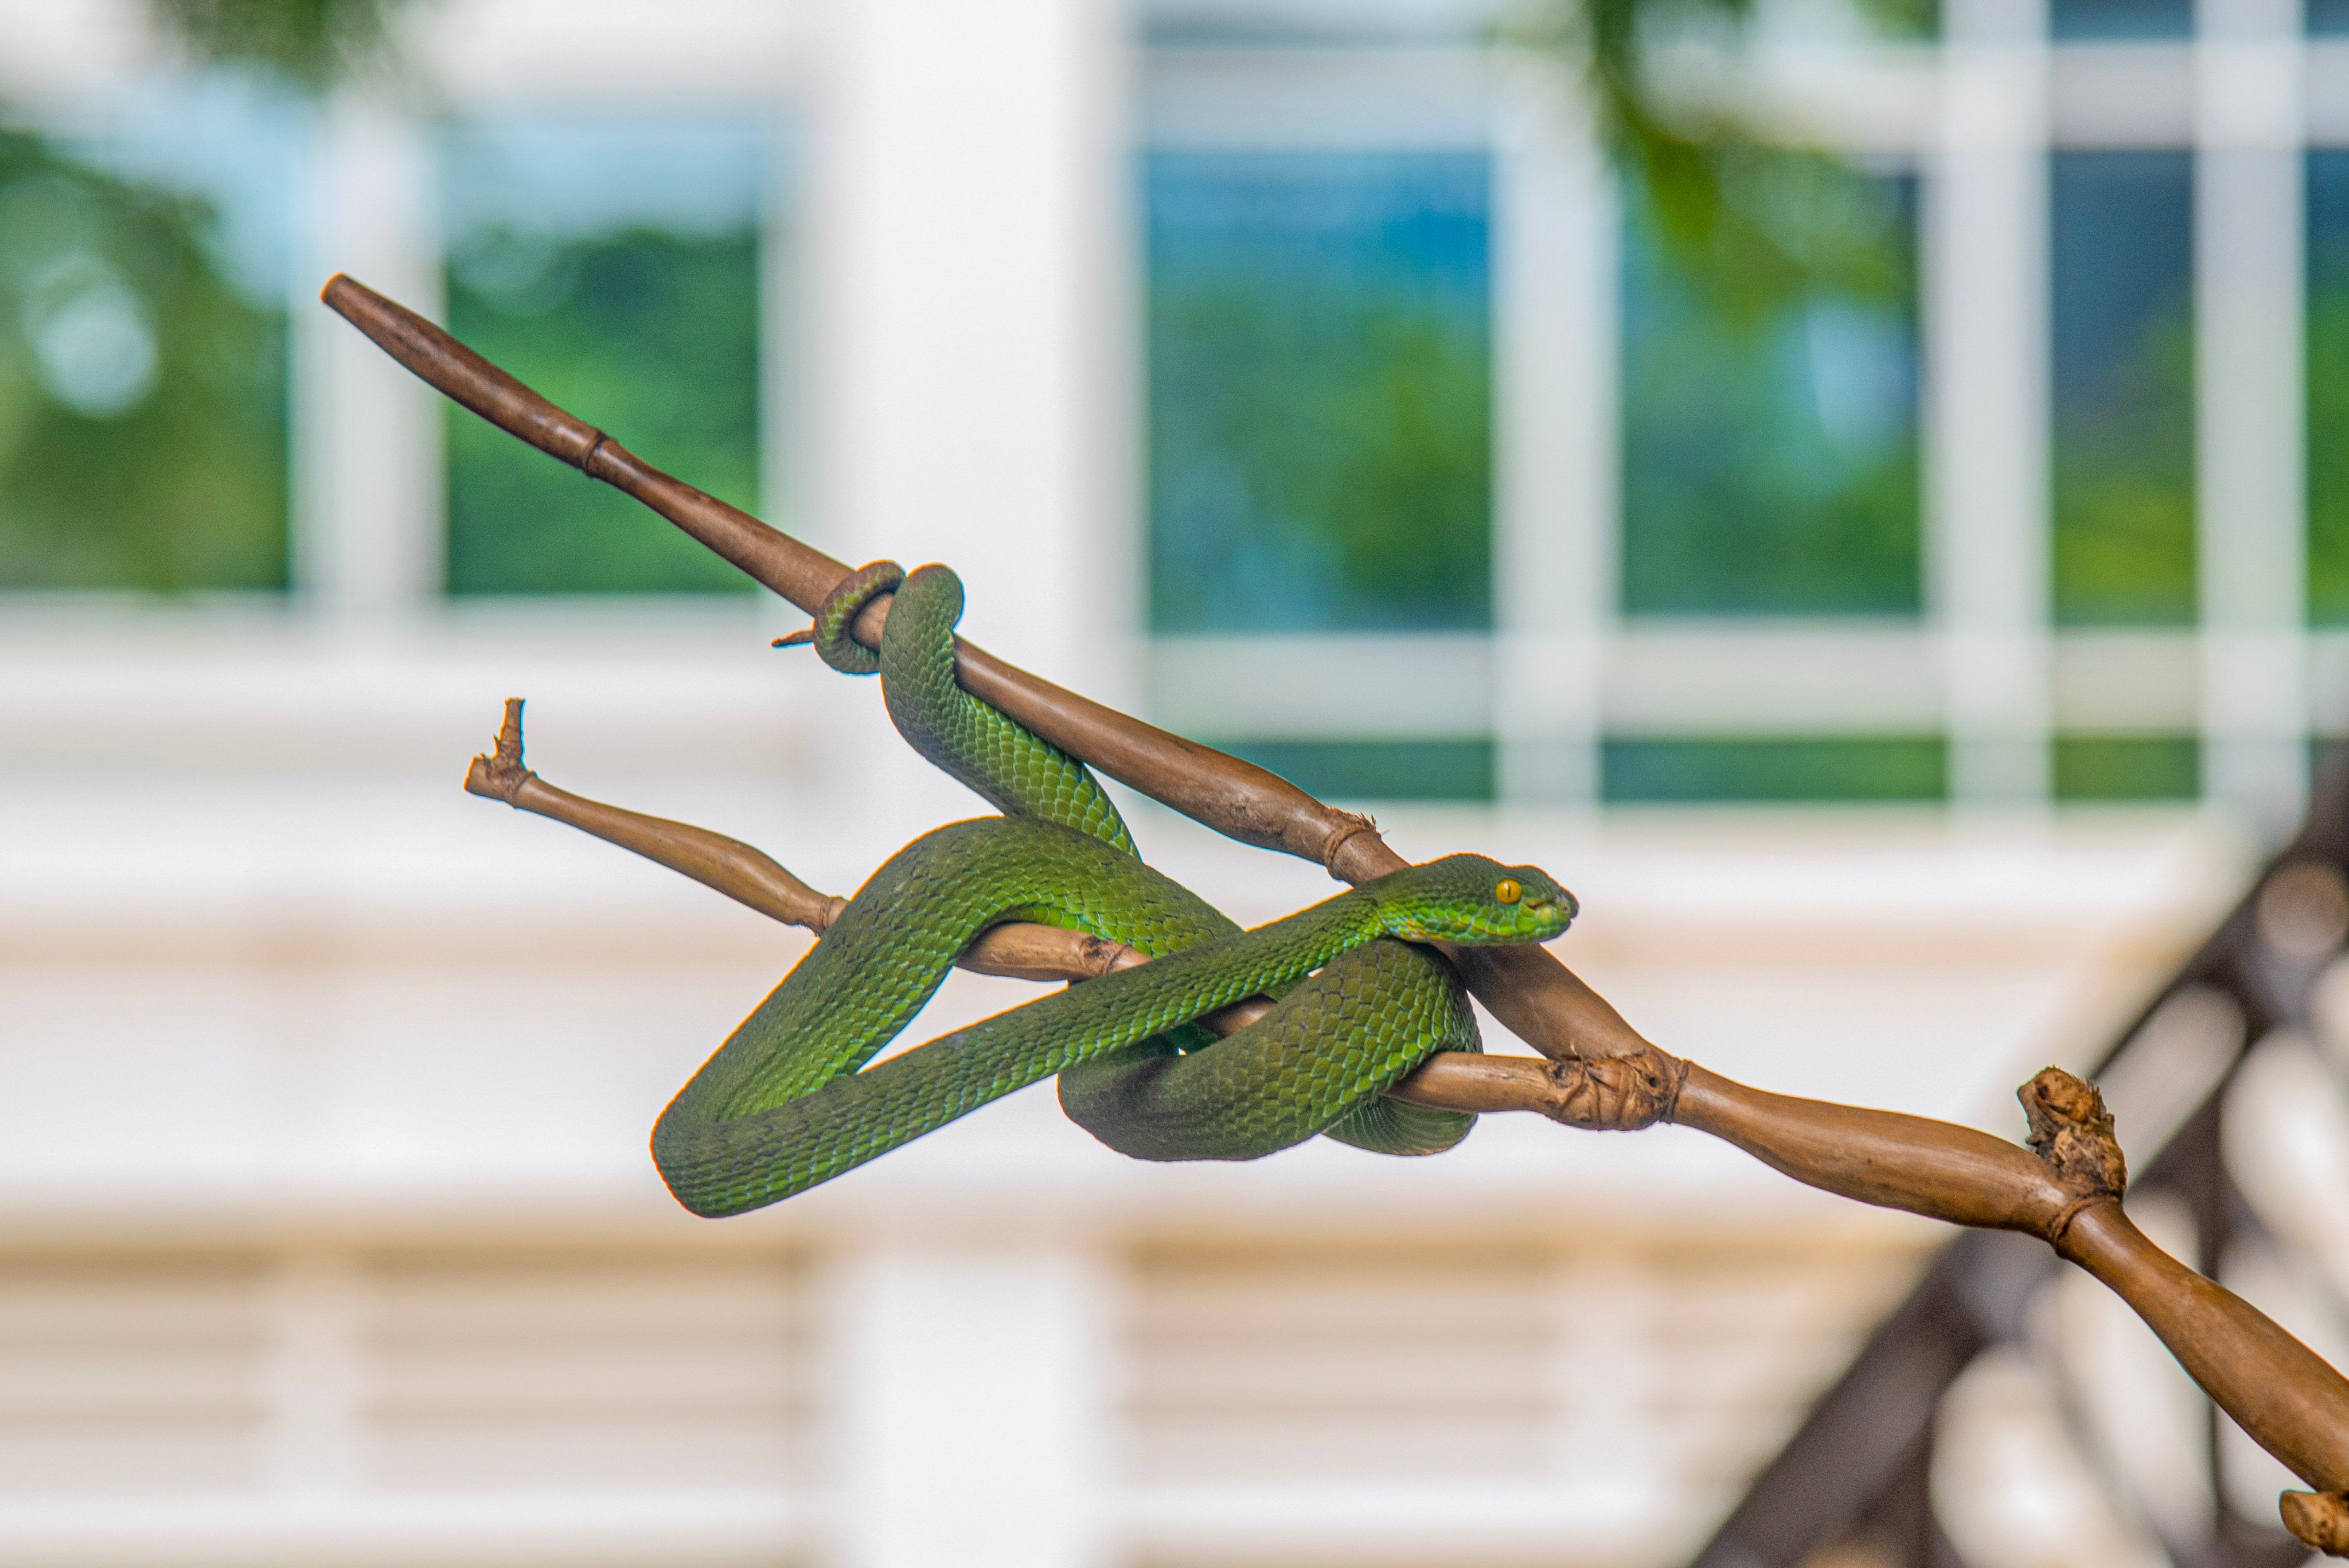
pixel 787 1101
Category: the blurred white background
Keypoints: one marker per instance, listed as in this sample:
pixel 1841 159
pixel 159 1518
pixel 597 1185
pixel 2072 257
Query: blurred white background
pixel 1905 665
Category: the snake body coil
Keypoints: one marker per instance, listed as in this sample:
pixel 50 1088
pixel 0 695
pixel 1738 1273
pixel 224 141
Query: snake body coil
pixel 783 1104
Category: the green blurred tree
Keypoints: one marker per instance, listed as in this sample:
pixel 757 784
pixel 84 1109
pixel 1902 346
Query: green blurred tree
pixel 1759 221
pixel 312 43
pixel 143 429
pixel 581 320
pixel 2124 485
pixel 1319 456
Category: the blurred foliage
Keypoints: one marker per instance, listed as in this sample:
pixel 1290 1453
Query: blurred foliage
pixel 1823 768
pixel 2328 439
pixel 1754 220
pixel 1317 457
pixel 313 43
pixel 2328 386
pixel 2101 20
pixel 657 333
pixel 1378 770
pixel 1888 768
pixel 2122 515
pixel 1320 392
pixel 2127 768
pixel 2124 510
pixel 1770 452
pixel 142 401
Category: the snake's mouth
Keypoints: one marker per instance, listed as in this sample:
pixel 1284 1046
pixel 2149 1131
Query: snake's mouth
pixel 1558 911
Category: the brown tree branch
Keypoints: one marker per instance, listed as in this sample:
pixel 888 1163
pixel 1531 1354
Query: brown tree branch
pixel 1601 1073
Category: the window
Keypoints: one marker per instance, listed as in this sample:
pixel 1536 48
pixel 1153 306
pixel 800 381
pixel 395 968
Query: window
pixel 1754 769
pixel 2123 388
pixel 2328 386
pixel 2127 767
pixel 1770 435
pixel 1320 386
pixel 144 267
pixel 2085 21
pixel 616 268
pixel 1455 770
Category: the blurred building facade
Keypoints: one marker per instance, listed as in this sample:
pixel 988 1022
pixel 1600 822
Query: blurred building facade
pixel 1901 662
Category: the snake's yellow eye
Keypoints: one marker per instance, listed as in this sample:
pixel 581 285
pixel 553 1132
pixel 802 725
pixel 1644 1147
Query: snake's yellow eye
pixel 1507 891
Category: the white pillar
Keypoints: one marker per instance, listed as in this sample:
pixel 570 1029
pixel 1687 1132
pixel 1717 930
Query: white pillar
pixel 1987 345
pixel 786 330
pixel 972 1433
pixel 368 490
pixel 2250 419
pixel 1608 1448
pixel 968 221
pixel 311 1454
pixel 1555 449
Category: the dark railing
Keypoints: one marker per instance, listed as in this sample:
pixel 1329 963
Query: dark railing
pixel 1857 1470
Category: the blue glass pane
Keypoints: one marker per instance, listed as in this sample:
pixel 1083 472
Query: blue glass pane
pixel 1770 451
pixel 2328 17
pixel 2088 20
pixel 615 266
pixel 1880 768
pixel 145 261
pixel 2328 386
pixel 1319 388
pixel 2123 388
pixel 1376 770
pixel 2127 768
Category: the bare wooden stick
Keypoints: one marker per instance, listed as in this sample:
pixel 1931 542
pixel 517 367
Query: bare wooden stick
pixel 1601 1074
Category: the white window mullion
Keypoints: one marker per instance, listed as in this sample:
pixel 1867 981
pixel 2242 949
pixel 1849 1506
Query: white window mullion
pixel 972 1427
pixel 312 1456
pixel 2249 244
pixel 1986 308
pixel 1554 453
pixel 368 545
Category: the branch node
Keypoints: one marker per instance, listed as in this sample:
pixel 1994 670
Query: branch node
pixel 1351 826
pixel 1098 956
pixel 2071 1132
pixel 2320 1520
pixel 1616 1094
pixel 499 775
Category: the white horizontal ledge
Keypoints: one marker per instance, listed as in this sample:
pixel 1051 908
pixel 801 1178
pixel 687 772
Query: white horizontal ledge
pixel 486 54
pixel 1722 678
pixel 1686 678
pixel 1324 688
pixel 631 692
pixel 1407 97
pixel 1607 1519
pixel 249 692
pixel 583 1528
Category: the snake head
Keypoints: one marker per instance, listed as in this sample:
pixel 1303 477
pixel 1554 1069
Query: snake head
pixel 1469 899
